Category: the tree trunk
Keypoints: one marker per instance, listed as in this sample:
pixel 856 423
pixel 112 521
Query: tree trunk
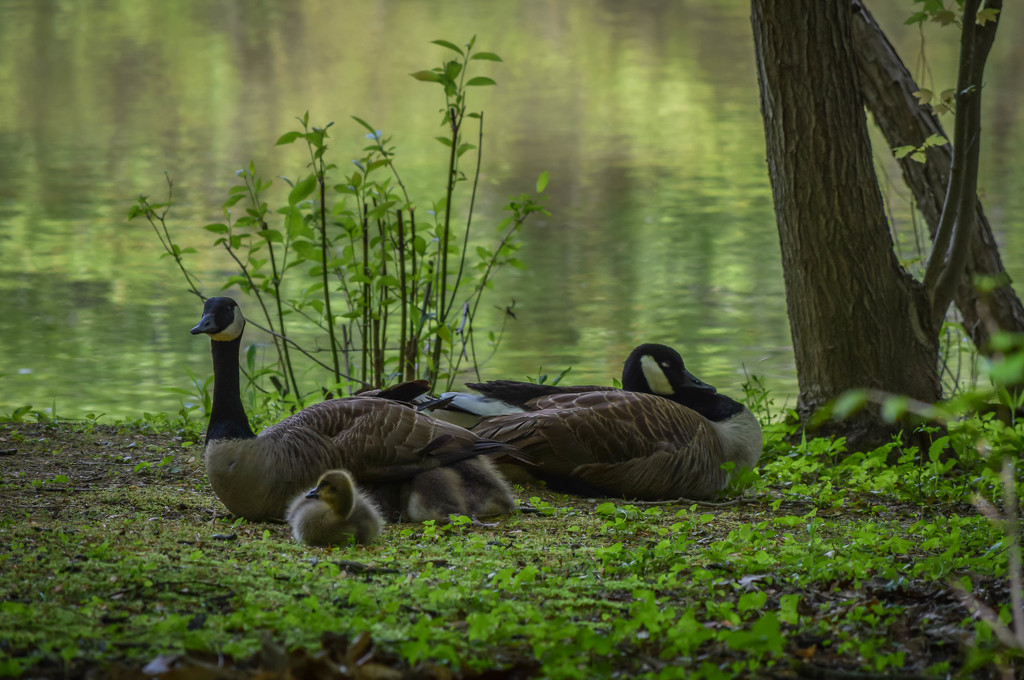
pixel 858 320
pixel 888 90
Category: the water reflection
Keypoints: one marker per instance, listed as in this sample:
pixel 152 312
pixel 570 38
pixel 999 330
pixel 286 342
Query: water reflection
pixel 646 114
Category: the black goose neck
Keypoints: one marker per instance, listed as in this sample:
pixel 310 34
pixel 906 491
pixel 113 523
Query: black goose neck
pixel 714 407
pixel 227 417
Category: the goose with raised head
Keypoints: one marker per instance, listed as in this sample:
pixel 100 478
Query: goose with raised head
pixel 666 435
pixel 392 450
pixel 334 512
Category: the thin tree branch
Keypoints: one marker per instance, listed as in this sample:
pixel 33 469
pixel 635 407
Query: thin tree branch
pixel 956 227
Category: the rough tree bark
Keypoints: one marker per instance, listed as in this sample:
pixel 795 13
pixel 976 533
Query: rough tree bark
pixel 888 88
pixel 858 320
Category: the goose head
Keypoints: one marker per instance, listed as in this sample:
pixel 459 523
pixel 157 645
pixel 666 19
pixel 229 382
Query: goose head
pixel 337 489
pixel 658 369
pixel 222 320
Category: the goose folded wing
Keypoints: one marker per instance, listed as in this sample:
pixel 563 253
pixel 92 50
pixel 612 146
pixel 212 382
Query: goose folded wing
pixel 522 393
pixel 442 452
pixel 407 391
pixel 670 471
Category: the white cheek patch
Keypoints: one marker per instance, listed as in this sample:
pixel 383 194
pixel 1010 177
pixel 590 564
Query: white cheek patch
pixel 232 331
pixel 656 379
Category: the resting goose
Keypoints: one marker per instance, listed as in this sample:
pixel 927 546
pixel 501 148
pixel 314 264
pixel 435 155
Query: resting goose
pixel 334 512
pixel 393 451
pixel 665 436
pixel 649 368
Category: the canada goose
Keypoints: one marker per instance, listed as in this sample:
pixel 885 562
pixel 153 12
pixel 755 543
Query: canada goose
pixel 390 448
pixel 334 512
pixel 667 435
pixel 649 368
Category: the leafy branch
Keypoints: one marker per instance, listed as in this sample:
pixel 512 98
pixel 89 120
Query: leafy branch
pixel 357 237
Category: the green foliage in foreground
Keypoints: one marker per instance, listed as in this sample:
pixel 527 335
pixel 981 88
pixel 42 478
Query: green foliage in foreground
pixel 114 549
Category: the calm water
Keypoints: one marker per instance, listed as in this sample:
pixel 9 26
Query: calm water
pixel 646 115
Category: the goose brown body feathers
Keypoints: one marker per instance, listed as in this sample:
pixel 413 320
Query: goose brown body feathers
pixel 382 443
pixel 629 444
pixel 389 447
pixel 665 437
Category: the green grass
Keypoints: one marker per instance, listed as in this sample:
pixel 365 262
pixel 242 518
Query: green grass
pixel 114 550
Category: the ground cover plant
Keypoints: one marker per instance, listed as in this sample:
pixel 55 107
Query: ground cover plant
pixel 117 558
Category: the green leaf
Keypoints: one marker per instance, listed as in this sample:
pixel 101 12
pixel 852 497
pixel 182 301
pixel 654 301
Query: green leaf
pixel 272 235
pixel 848 403
pixel 452 69
pixel 902 151
pixel 444 140
pixel 984 16
pixel 542 182
pixel 217 228
pixel 364 124
pixel 233 200
pixel 752 601
pixel 937 447
pixel 917 18
pixel 287 138
pixel 487 56
pixel 427 76
pixel 302 190
pixel 296 225
pixel 445 333
pixel 445 43
pixel 480 80
pixel 895 407
pixel 306 250
pixel 1008 370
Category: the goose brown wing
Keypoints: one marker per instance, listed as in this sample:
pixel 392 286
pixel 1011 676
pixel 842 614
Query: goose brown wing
pixel 441 452
pixel 521 393
pixel 403 391
pixel 630 443
pixel 691 471
pixel 373 438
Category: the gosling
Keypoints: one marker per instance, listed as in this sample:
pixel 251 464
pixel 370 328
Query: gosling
pixel 334 512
